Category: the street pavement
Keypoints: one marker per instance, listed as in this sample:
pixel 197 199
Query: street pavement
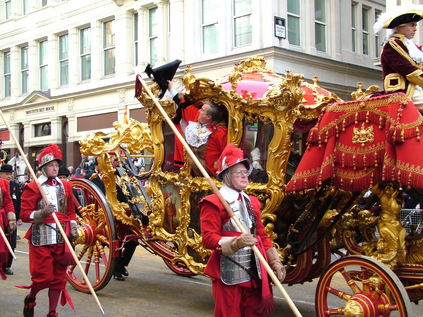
pixel 151 290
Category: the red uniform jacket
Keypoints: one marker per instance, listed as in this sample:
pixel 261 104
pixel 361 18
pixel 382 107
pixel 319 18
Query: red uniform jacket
pixel 31 196
pixel 215 143
pixel 400 72
pixel 5 207
pixel 213 217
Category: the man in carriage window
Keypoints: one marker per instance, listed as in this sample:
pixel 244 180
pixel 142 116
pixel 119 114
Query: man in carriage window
pixel 240 284
pixel 203 128
pixel 401 58
pixel 48 254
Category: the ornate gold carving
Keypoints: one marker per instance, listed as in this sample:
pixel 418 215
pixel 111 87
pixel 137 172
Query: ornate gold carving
pixel 360 94
pixel 353 309
pixel 188 78
pixel 363 135
pixel 280 107
pixel 391 248
pixel 235 77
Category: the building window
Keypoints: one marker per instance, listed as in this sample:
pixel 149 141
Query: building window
pixel 136 39
pixel 7 9
pixel 365 27
pixel 43 65
pixel 42 129
pixel 24 70
pixel 320 25
pixel 378 44
pixel 210 12
pixel 7 75
pixel 85 53
pixel 25 6
pixel 242 22
pixel 294 22
pixel 64 59
pixel 153 34
pixel 43 3
pixel 354 26
pixel 109 47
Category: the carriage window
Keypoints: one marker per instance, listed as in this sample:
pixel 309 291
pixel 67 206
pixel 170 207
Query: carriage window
pixel 297 150
pixel 143 161
pixel 255 143
pixel 207 140
pixel 169 155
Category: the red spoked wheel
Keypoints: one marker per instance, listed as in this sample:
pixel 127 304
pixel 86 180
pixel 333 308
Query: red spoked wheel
pixel 361 286
pixel 95 246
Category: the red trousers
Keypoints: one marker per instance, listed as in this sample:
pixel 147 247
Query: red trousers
pixel 235 301
pixel 45 268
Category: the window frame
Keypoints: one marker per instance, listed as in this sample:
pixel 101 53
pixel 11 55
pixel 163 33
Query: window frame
pixel 152 37
pixel 297 17
pixel 378 43
pixel 365 31
pixel 354 8
pixel 107 49
pixel 25 7
pixel 38 129
pixel 7 9
pixel 85 56
pixel 7 74
pixel 24 70
pixel 43 64
pixel 213 23
pixel 63 60
pixel 320 23
pixel 236 17
pixel 136 37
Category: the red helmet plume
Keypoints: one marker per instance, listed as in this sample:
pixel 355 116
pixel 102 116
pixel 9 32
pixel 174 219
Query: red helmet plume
pixel 48 154
pixel 230 156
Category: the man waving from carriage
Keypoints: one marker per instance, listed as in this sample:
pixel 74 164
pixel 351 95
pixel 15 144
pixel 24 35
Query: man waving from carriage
pixel 203 131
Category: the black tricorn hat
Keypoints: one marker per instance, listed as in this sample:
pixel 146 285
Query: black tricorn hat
pixel 404 18
pixel 63 171
pixel 7 168
pixel 162 74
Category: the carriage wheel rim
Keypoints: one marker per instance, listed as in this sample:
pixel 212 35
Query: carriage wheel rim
pixel 368 305
pixel 99 245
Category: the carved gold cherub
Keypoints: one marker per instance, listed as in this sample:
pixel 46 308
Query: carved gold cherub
pixel 391 244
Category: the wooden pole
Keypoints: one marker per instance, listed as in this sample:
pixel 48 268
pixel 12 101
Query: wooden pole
pixel 223 201
pixel 9 247
pixel 59 226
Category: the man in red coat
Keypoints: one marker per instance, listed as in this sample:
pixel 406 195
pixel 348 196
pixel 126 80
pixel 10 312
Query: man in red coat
pixel 401 58
pixel 239 282
pixel 48 254
pixel 6 172
pixel 7 223
pixel 202 130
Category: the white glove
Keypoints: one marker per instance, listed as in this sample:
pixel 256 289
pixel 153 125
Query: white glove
pixel 255 157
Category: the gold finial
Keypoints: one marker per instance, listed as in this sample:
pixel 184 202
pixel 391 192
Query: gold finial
pixel 235 76
pixel 188 78
pixel 315 80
